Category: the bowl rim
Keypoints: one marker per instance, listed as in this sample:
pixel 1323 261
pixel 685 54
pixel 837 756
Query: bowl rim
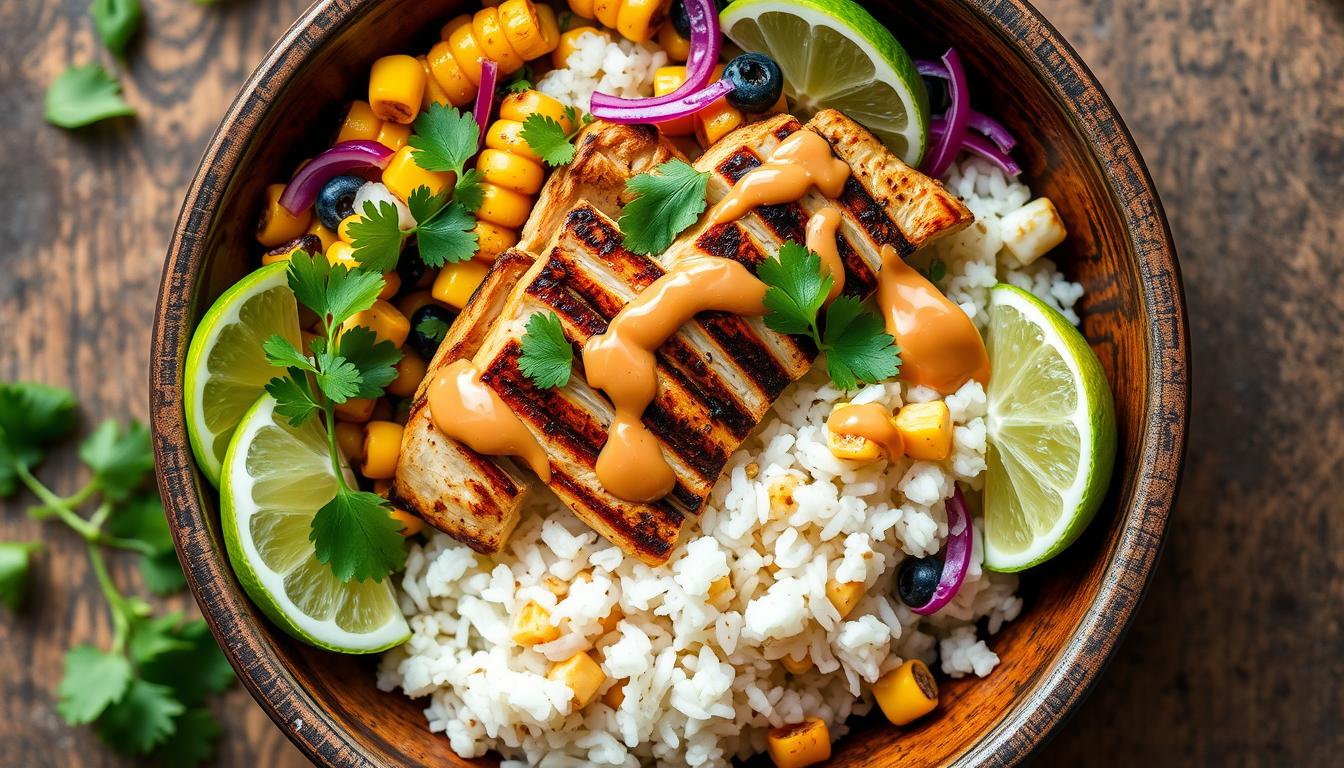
pixel 1161 439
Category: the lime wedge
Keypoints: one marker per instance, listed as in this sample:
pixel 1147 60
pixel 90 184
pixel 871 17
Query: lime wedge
pixel 836 55
pixel 1051 432
pixel 226 368
pixel 276 477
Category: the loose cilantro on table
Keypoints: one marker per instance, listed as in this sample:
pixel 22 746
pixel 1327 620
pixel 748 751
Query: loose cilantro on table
pixel 548 138
pixel 145 694
pixel 547 357
pixel 669 199
pixel 116 22
pixel 82 96
pixel 857 347
pixel 352 533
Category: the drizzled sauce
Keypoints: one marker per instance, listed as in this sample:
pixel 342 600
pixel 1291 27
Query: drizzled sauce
pixel 940 347
pixel 869 420
pixel 821 241
pixel 465 409
pixel 800 162
pixel 621 362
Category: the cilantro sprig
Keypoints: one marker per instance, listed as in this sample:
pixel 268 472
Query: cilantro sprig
pixel 669 199
pixel 549 139
pixel 145 694
pixel 353 532
pixel 857 346
pixel 547 357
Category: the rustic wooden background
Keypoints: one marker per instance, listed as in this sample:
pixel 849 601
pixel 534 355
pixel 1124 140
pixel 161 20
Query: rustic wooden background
pixel 1238 105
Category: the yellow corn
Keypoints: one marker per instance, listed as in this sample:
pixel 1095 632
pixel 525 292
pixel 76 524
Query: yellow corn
pixel 582 675
pixel 582 8
pixel 324 235
pixel 493 240
pixel 492 33
pixel 503 206
pixel 391 284
pixel 510 171
pixel 382 447
pixel 448 75
pixel 665 81
pixel 411 302
pixel 613 618
pixel 614 695
pixel 358 410
pixel 306 243
pixel 569 42
pixel 341 252
pixel 797 666
pixel 457 282
pixel 907 692
pixel 393 135
pixel 350 439
pixel 453 23
pixel 523 30
pixel 343 229
pixel 507 136
pixel 799 744
pixel 637 20
pixel 926 429
pixel 360 123
pixel 434 93
pixel 670 40
pixel 532 625
pixel 607 11
pixel 277 225
pixel 716 121
pixel 489 34
pixel 411 370
pixel 402 176
pixel 844 596
pixel 468 52
pixel 396 88
pixel 520 106
pixel 384 320
pixel 852 447
pixel 410 524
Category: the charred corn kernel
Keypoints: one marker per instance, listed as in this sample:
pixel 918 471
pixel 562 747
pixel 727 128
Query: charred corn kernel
pixel 356 409
pixel 456 282
pixel 341 252
pixel 448 74
pixel 852 447
pixel 360 123
pixel 581 674
pixel 844 596
pixel 615 695
pixel 507 136
pixel 907 692
pixel 434 93
pixel 410 524
pixel 609 622
pixel 343 229
pixel 718 587
pixel 1032 230
pixel 522 29
pixel 637 20
pixel 384 320
pixel 493 240
pixel 716 121
pixel 799 744
pixel 453 23
pixel 532 625
pixel 410 371
pixel 306 243
pixel 780 493
pixel 520 106
pixel 670 40
pixel 411 302
pixel 510 171
pixel 665 81
pixel 325 236
pixel 503 206
pixel 796 666
pixel 277 225
pixel 569 42
pixel 382 447
pixel 582 8
pixel 489 32
pixel 402 176
pixel 926 429
pixel 350 439
pixel 391 284
pixel 607 11
pixel 396 88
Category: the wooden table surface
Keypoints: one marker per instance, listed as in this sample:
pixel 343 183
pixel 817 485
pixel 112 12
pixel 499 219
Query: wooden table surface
pixel 1236 658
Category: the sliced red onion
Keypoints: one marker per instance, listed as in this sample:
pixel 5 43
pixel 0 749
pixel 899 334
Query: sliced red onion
pixel 956 555
pixel 661 113
pixel 706 43
pixel 991 129
pixel 944 150
pixel 931 69
pixel 339 160
pixel 978 145
pixel 485 97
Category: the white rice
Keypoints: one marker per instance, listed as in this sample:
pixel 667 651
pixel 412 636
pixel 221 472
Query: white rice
pixel 599 64
pixel 703 680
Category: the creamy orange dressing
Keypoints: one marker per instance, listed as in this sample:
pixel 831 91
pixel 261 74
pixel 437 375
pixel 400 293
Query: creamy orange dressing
pixel 870 420
pixel 800 162
pixel 621 363
pixel 821 230
pixel 940 347
pixel 465 409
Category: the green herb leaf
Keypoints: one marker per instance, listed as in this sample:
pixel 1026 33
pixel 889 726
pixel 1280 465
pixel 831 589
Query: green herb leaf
pixel 293 398
pixel 795 289
pixel 116 21
pixel 307 278
pixel 547 357
pixel 354 534
pixel 937 270
pixel 433 328
pixel 376 237
pixel 424 204
pixel 376 360
pixel 162 573
pixel 448 237
pixel 337 377
pixel 195 736
pixel 858 348
pixel 82 96
pixel 195 669
pixel 350 291
pixel 468 191
pixel 444 139
pixel 93 681
pixel 141 720
pixel 120 461
pixel 142 519
pixel 670 199
pixel 547 138
pixel 519 86
pixel 282 353
pixel 15 559
pixel 32 416
pixel 152 637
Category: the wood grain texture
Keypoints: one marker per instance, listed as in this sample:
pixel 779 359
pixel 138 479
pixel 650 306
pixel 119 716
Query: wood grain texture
pixel 1237 654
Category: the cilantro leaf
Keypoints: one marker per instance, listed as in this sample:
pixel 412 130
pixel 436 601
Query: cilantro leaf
pixel 15 557
pixel 32 416
pixel 293 398
pixel 354 534
pixel 424 204
pixel 119 462
pixel 444 139
pixel 337 377
pixel 468 190
pixel 858 348
pixel 195 735
pixel 307 277
pixel 432 328
pixel 282 353
pixel 142 519
pixel 162 572
pixel 547 138
pixel 194 669
pixel 93 681
pixel 82 96
pixel 670 199
pixel 374 359
pixel 350 291
pixel 141 720
pixel 153 637
pixel 795 289
pixel 547 357
pixel 116 22
pixel 448 237
pixel 519 86
pixel 377 237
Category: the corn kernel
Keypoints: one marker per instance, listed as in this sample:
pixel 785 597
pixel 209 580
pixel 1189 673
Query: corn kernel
pixel 402 176
pixel 569 42
pixel 665 81
pixel 360 123
pixel 384 320
pixel 510 171
pixel 507 136
pixel 637 19
pixel 411 371
pixel 489 33
pixel 614 695
pixel 926 429
pixel 523 30
pixel 852 447
pixel 382 447
pixel 844 596
pixel 467 51
pixel 907 692
pixel 391 284
pixel 548 27
pixel 277 225
pixel 325 236
pixel 343 229
pixel 448 75
pixel 411 302
pixel 394 135
pixel 532 625
pixel 410 524
pixel 396 88
pixel 493 240
pixel 355 409
pixel 607 11
pixel 457 282
pixel 670 40
pixel 520 106
pixel 350 439
pixel 582 8
pixel 612 619
pixel 799 744
pixel 504 207
pixel 434 93
pixel 716 121
pixel 341 252
pixel 797 666
pixel 582 675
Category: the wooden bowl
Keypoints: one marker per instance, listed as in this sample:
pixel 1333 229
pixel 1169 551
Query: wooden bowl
pixel 1074 148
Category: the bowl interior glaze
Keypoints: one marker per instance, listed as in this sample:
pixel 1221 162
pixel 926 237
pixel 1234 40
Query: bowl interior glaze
pixel 1074 149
